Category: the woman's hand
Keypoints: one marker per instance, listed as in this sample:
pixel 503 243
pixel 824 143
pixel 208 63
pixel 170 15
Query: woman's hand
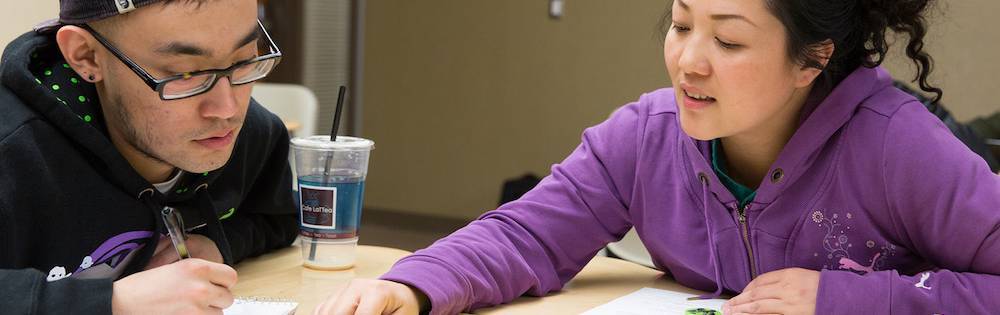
pixel 369 297
pixel 786 291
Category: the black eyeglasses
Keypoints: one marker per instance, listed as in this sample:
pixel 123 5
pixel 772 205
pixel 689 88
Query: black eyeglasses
pixel 189 84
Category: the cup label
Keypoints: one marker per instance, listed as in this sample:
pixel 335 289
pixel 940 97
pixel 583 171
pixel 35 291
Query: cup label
pixel 319 207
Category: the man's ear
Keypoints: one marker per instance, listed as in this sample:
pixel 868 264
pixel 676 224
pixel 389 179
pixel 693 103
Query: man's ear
pixel 806 75
pixel 79 48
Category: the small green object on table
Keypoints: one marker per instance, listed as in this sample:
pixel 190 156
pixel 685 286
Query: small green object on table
pixel 701 311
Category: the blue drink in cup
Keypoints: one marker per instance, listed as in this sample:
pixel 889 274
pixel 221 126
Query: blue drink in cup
pixel 331 184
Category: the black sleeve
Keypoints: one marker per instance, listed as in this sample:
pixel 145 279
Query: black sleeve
pixel 26 291
pixel 987 126
pixel 267 218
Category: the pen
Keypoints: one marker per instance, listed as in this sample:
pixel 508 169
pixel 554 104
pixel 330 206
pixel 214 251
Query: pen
pixel 175 228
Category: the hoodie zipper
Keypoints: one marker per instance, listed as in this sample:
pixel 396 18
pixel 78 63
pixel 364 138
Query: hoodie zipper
pixel 742 213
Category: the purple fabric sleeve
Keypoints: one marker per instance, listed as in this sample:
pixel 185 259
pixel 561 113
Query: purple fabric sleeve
pixel 536 244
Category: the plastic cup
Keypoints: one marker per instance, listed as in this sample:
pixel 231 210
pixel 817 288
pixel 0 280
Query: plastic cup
pixel 331 185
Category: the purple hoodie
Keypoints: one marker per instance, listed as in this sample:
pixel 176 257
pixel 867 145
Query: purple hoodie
pixel 873 190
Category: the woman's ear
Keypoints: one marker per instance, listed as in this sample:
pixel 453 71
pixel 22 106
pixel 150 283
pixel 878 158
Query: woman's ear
pixel 79 48
pixel 806 75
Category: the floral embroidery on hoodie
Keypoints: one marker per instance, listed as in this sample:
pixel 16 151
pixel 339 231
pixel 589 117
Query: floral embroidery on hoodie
pixel 838 245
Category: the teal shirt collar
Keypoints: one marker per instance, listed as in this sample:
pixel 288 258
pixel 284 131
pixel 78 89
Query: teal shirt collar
pixel 742 193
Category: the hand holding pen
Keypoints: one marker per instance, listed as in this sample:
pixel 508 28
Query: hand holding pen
pixel 199 285
pixel 170 249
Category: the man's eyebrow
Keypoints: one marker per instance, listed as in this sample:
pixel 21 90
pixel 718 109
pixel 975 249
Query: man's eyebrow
pixel 253 35
pixel 182 48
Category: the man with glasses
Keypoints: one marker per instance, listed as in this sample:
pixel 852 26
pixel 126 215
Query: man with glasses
pixel 120 109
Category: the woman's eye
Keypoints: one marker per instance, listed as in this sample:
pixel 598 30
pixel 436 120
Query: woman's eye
pixel 727 45
pixel 680 28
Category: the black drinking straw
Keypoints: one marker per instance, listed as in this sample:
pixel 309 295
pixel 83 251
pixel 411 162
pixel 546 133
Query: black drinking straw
pixel 329 157
pixel 336 115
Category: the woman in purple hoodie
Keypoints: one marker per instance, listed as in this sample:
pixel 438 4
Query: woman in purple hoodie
pixel 782 167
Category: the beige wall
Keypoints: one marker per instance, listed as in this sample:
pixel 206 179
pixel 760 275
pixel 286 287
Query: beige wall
pixel 460 95
pixel 21 16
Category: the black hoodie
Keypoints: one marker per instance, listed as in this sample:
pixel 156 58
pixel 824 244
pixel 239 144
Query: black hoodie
pixel 74 214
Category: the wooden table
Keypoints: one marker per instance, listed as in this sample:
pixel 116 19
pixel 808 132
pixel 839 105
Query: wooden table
pixel 602 280
pixel 280 274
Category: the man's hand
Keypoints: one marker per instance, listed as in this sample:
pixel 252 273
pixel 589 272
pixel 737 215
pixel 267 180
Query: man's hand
pixel 786 291
pixel 198 246
pixel 190 286
pixel 372 297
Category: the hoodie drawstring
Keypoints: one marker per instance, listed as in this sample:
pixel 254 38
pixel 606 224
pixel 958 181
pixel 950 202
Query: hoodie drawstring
pixel 214 227
pixel 711 241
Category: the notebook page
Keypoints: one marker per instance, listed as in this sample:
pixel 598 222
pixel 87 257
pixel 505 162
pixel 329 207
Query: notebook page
pixel 261 306
pixel 649 301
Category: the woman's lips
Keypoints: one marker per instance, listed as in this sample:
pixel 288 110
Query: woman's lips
pixel 694 98
pixel 696 104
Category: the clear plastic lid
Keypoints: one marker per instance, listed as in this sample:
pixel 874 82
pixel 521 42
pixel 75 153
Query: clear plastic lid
pixel 343 143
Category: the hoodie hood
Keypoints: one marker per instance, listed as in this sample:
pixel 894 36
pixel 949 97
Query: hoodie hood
pixel 34 69
pixel 821 119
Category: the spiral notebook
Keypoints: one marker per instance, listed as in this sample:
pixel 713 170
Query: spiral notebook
pixel 261 306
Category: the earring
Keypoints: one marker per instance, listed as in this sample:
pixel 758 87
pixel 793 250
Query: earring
pixel 90 78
